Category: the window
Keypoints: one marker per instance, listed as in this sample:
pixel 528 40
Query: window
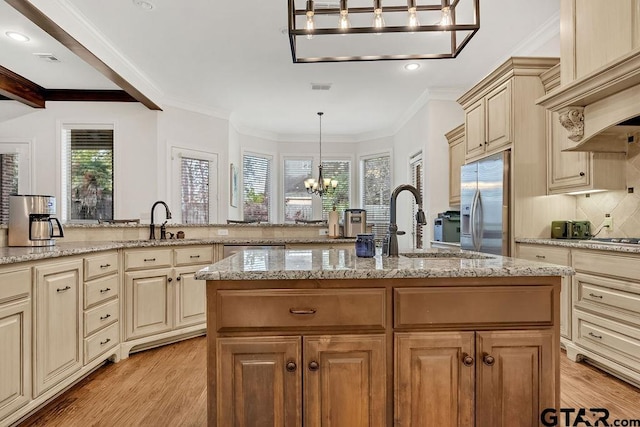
pixel 256 178
pixel 8 183
pixel 415 164
pixel 196 176
pixel 298 204
pixel 339 170
pixel 88 172
pixel 376 192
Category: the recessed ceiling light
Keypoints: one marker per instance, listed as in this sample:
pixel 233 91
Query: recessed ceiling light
pixel 144 4
pixel 17 36
pixel 411 67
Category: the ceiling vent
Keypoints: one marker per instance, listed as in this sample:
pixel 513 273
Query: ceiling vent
pixel 47 57
pixel 320 86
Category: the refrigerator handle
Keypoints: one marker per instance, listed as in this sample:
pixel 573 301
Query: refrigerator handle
pixel 472 219
pixel 479 216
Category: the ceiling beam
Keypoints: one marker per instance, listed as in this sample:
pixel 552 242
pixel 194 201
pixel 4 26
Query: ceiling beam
pixel 16 87
pixel 88 95
pixel 54 30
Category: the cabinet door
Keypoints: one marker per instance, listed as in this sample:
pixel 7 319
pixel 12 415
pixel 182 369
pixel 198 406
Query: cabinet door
pixel 498 120
pixel 58 329
pixel 149 302
pixel 344 381
pixel 259 381
pixel 434 379
pixel 190 298
pixel 456 160
pixel 567 170
pixel 474 129
pixel 15 353
pixel 515 378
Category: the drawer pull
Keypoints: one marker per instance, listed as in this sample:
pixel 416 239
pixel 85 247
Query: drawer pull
pixel 102 291
pixel 194 256
pixel 105 265
pixel 314 366
pixel 488 359
pixel 149 259
pixel 592 295
pixel 291 366
pixel 467 360
pixel 541 256
pixel 591 334
pixel 105 341
pixel 303 311
pixel 66 288
pixel 105 317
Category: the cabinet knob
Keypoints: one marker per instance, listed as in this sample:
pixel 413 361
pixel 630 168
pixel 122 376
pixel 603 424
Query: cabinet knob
pixel 467 360
pixel 313 365
pixel 581 173
pixel 170 280
pixel 291 366
pixel 481 144
pixel 178 278
pixel 488 359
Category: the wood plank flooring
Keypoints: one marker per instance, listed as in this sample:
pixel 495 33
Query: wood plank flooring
pixel 167 387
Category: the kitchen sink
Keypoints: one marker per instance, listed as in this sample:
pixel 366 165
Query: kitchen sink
pixel 445 254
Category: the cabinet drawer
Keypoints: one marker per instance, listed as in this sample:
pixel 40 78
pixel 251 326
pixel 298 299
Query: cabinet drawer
pixel 194 255
pixel 99 290
pixel 490 305
pixel 100 265
pixel 553 255
pixel 281 309
pixel 15 284
pixel 608 296
pixel 608 338
pixel 99 317
pixel 135 260
pixel 626 267
pixel 100 342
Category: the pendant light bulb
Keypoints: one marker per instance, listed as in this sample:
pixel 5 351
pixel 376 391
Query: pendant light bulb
pixel 445 21
pixel 413 14
pixel 378 20
pixel 310 26
pixel 343 22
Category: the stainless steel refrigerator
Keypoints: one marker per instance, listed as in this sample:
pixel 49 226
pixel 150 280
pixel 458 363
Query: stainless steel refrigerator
pixel 484 205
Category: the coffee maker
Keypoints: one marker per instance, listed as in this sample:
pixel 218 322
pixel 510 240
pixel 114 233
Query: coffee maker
pixel 31 222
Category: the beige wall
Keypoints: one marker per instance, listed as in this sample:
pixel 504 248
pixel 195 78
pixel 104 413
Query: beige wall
pixel 624 207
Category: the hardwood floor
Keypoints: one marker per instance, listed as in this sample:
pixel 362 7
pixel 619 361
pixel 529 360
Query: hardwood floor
pixel 167 387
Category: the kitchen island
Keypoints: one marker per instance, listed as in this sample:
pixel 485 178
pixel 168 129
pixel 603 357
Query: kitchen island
pixel 433 337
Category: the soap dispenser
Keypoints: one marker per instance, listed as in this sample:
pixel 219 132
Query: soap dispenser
pixel 334 226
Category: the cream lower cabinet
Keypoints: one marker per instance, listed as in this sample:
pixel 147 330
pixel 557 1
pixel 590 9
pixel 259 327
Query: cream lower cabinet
pixel 473 378
pixel 15 336
pixel 554 255
pixel 162 298
pixel 58 322
pixel 606 315
pixel 302 380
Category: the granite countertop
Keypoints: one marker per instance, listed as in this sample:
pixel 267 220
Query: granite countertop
pixel 583 244
pixel 281 264
pixel 11 255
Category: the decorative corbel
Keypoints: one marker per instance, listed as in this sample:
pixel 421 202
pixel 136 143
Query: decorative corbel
pixel 572 119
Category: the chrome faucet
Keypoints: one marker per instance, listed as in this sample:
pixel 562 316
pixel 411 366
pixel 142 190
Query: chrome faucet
pixel 152 227
pixel 390 245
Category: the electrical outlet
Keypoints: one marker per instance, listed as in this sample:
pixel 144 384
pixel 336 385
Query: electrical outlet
pixel 608 222
pixel 223 232
pixel 324 231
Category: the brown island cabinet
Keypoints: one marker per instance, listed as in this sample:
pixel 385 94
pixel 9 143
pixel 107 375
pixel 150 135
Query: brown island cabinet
pixel 324 338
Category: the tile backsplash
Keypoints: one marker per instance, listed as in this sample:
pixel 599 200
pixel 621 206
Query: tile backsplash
pixel 623 206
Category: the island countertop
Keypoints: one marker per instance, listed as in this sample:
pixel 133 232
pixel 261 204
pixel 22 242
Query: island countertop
pixel 296 264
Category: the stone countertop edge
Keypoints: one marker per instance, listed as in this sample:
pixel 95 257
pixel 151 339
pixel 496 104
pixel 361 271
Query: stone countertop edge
pixel 581 244
pixel 275 265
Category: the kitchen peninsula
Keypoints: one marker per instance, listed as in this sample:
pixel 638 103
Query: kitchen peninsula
pixel 433 337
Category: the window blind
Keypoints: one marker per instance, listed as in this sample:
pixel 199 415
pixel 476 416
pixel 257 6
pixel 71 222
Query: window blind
pixel 9 184
pixel 376 192
pixel 88 172
pixel 256 177
pixel 297 201
pixel 339 170
pixel 415 163
pixel 195 190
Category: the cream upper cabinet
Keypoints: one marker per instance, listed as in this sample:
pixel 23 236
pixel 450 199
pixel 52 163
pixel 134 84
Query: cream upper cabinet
pixel 58 322
pixel 596 32
pixel 456 140
pixel 573 171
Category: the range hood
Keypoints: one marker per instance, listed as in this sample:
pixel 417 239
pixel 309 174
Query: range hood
pixel 601 110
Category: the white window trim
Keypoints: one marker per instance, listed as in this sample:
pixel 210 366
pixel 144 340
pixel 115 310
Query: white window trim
pixel 26 171
pixel 175 198
pixel 274 188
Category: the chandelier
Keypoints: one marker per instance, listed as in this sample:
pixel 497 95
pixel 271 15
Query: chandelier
pixel 374 30
pixel 322 185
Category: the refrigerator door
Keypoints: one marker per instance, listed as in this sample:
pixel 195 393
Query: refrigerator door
pixel 492 213
pixel 468 196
